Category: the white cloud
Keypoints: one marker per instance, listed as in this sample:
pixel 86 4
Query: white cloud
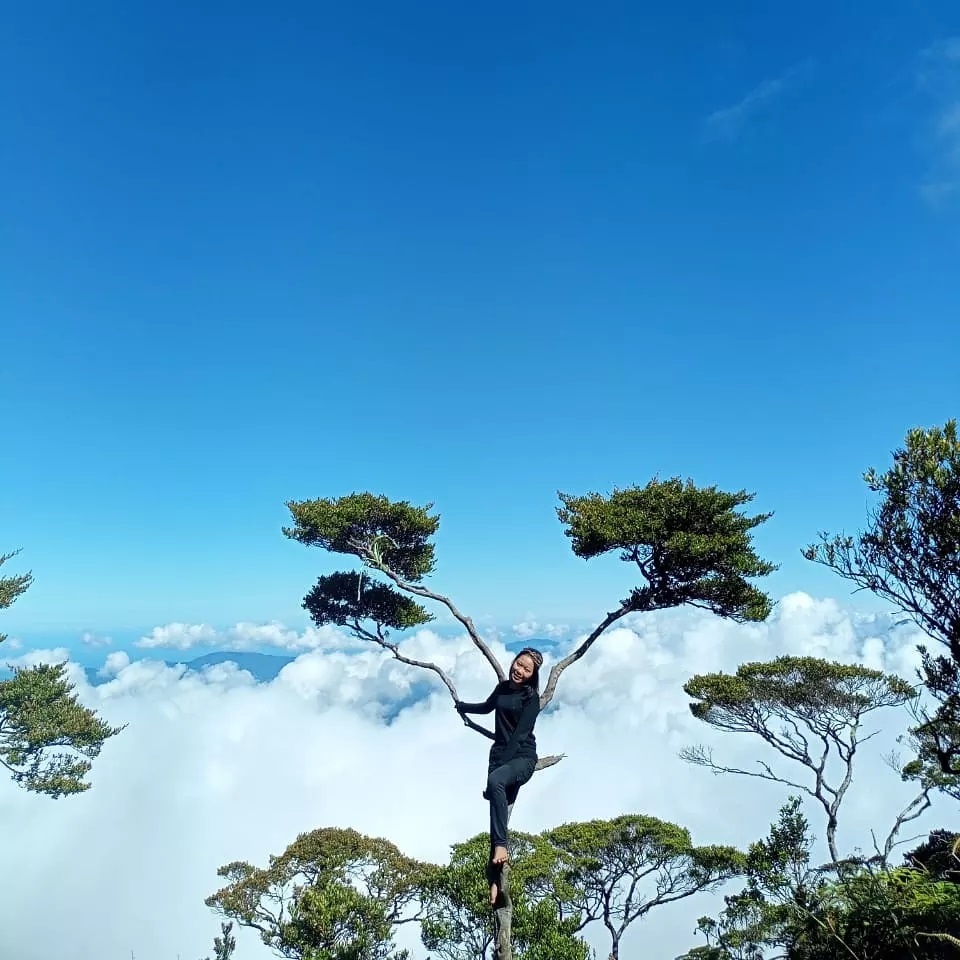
pixel 533 628
pixel 178 636
pixel 214 768
pixel 246 636
pixel 115 662
pixel 939 80
pixel 728 122
pixel 95 640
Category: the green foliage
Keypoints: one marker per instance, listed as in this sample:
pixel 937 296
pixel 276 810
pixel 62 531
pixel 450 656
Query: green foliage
pixel 47 739
pixel 335 921
pixel 909 555
pixel 39 713
pixel 910 552
pixel 12 587
pixel 224 945
pixel 391 538
pixel 762 915
pixel 373 528
pixel 331 895
pixel 865 914
pixel 690 543
pixel 888 915
pixel 457 920
pixel 616 871
pixel 345 599
pixel 825 696
pixel 810 711
pixel 938 856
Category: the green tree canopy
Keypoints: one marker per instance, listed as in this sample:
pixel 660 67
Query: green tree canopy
pixel 689 545
pixel 12 587
pixel 617 871
pixel 47 738
pixel 545 922
pixel 811 712
pixel 802 913
pixel 909 555
pixel 224 945
pixel 333 894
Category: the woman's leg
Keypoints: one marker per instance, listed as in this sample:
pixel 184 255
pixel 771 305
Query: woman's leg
pixel 503 784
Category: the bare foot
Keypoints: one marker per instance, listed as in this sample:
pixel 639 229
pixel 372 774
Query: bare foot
pixel 494 893
pixel 500 855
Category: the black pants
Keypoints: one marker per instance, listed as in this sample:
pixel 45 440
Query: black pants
pixel 504 781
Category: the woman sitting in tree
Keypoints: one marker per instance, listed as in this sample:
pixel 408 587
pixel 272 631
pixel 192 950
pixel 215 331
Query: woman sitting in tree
pixel 513 756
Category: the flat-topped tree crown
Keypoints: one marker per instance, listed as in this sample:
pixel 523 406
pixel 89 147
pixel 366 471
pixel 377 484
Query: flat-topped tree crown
pixel 828 696
pixel 379 531
pixel 691 544
pixel 811 712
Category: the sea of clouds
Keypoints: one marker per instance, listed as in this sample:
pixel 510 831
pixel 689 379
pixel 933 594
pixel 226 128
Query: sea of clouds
pixel 215 767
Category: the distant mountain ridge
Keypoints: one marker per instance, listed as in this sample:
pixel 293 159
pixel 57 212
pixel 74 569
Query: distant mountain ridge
pixel 264 667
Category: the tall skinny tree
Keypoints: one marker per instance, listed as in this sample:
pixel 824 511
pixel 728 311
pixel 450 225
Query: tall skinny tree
pixel 909 555
pixel 812 713
pixel 47 738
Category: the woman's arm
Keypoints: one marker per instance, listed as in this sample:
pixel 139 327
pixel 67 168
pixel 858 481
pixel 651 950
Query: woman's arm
pixel 525 723
pixel 485 706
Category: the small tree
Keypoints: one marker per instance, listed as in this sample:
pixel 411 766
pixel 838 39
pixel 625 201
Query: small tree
pixel 225 944
pixel 545 923
pixel 811 712
pixel 618 870
pixel 909 555
pixel 331 895
pixel 779 890
pixel 47 738
pixel 790 906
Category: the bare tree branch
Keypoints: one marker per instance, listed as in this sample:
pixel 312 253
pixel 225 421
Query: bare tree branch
pixel 372 558
pixel 914 809
pixel 573 657
pixel 380 639
pixel 703 758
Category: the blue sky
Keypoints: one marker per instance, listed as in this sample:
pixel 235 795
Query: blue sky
pixel 255 252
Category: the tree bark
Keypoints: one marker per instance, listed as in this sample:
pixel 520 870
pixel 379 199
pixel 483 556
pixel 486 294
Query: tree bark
pixel 503 908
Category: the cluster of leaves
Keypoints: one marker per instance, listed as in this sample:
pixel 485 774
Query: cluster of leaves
pixel 385 536
pixel 342 894
pixel 47 737
pixel 692 544
pixel 456 924
pixel 331 895
pixel 909 554
pixel 857 908
pixel 910 912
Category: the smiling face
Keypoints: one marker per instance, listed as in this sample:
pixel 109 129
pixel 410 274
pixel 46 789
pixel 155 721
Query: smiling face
pixel 522 669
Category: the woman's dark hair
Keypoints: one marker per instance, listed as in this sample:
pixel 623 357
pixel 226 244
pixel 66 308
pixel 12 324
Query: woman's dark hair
pixel 536 656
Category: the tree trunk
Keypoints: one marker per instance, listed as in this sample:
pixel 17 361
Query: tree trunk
pixel 503 908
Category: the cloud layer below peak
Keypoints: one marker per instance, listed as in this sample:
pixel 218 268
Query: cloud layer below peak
pixel 215 767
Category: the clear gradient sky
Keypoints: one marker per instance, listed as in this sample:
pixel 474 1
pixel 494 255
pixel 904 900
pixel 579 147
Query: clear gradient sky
pixel 468 254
